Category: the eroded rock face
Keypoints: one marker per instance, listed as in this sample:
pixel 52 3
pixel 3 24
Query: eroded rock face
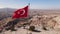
pixel 57 26
pixel 39 21
pixel 48 22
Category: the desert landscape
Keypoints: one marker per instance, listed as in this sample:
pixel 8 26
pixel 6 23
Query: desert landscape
pixel 43 22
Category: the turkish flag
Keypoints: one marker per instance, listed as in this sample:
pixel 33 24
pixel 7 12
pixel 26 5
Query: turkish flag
pixel 21 13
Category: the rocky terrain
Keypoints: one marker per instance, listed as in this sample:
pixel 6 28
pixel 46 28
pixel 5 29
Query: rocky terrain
pixel 45 22
pixel 49 22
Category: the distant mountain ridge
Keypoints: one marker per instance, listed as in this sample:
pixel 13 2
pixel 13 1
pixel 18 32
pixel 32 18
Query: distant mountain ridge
pixel 41 10
pixel 7 12
pixel 7 9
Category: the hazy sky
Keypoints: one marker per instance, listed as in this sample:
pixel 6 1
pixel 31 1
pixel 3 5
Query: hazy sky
pixel 34 4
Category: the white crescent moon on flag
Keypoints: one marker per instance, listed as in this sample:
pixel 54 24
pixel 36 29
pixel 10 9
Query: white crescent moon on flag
pixel 23 12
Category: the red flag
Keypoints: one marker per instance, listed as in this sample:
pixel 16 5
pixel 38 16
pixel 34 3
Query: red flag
pixel 21 13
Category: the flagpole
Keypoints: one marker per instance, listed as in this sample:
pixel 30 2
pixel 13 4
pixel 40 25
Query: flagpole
pixel 28 4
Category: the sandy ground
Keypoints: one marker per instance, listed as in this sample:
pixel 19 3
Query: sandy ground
pixel 24 31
